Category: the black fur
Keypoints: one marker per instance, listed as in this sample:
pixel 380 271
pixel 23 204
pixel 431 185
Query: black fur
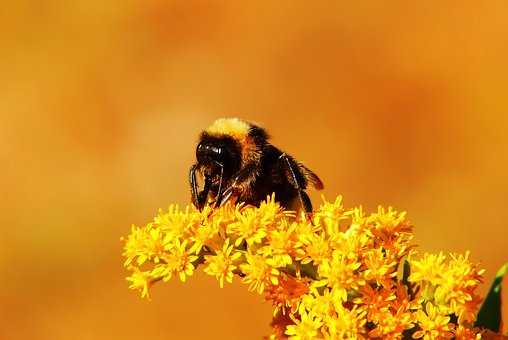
pixel 274 176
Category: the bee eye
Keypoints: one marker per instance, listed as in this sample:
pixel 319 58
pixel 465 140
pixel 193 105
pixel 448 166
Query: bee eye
pixel 206 153
pixel 201 148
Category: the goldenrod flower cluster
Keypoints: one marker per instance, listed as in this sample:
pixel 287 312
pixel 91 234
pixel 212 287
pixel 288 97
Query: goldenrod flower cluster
pixel 338 274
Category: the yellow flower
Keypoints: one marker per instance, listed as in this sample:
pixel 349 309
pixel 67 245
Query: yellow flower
pixel 429 268
pixel 146 244
pixel 178 222
pixel 307 328
pixel 450 285
pixel 340 273
pixel 179 261
pixel 286 294
pixel 390 230
pixel 457 287
pixel 345 323
pixel 281 243
pixel 379 267
pixel 271 210
pixel 315 248
pixel 249 226
pixel 321 304
pixel 376 301
pixel 392 324
pixel 389 223
pixel 433 324
pixel 135 246
pixel 140 281
pixel 335 275
pixel 258 272
pixel 221 264
pixel 202 236
pixel 330 215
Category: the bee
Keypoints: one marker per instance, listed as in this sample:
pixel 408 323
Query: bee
pixel 236 160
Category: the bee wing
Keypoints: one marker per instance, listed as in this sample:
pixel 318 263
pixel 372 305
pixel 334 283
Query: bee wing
pixel 311 177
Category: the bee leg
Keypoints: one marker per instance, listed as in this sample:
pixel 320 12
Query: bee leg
pixel 226 195
pixel 194 185
pixel 218 199
pixel 198 198
pixel 304 198
pixel 241 177
pixel 203 195
pixel 306 201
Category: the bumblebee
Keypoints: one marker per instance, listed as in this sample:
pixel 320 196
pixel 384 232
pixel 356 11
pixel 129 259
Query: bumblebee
pixel 236 161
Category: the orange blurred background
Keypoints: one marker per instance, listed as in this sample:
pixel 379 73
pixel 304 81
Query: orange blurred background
pixel 101 102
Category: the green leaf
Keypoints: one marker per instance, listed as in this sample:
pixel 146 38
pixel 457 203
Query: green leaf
pixel 406 271
pixel 489 316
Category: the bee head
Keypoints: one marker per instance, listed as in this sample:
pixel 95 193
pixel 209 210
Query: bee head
pixel 230 142
pixel 213 152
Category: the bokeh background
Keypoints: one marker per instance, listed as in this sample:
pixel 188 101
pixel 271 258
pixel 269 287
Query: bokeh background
pixel 101 102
